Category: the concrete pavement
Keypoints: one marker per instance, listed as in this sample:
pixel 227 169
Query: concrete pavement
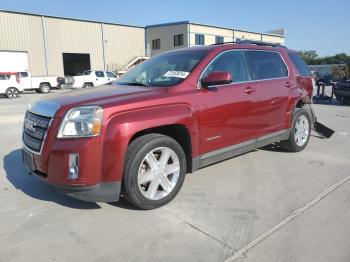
pixel 219 210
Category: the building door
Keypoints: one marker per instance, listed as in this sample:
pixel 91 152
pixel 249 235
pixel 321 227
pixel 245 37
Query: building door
pixel 12 61
pixel 75 64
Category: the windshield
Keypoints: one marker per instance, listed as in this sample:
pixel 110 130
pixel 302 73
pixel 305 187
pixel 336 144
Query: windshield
pixel 163 70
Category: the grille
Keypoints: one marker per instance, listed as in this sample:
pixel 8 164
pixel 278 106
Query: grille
pixel 34 132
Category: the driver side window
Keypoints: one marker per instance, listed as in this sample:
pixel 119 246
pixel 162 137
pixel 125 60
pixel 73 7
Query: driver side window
pixel 233 62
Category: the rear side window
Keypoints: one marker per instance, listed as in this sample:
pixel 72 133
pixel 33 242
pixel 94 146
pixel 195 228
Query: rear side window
pixel 300 64
pixel 99 74
pixel 266 65
pixel 233 62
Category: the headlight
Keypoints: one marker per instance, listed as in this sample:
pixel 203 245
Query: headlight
pixel 83 121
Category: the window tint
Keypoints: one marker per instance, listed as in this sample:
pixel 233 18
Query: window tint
pixel 110 74
pixel 99 74
pixel 219 39
pixel 199 39
pixel 23 74
pixel 300 64
pixel 155 44
pixel 178 40
pixel 233 62
pixel 266 65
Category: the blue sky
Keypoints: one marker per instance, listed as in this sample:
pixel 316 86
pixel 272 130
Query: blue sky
pixel 305 27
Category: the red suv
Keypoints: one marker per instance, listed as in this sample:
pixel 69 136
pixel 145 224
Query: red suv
pixel 171 115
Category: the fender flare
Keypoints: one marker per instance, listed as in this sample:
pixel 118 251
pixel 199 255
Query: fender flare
pixel 121 127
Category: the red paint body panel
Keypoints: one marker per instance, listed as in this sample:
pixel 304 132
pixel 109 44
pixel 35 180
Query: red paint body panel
pixel 214 118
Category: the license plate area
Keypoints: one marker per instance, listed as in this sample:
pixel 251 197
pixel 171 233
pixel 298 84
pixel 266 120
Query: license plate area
pixel 28 160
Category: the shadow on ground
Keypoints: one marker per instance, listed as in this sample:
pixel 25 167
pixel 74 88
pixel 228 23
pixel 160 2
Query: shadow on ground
pixel 18 175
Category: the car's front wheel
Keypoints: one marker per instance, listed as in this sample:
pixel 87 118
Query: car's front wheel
pixel 154 171
pixel 300 132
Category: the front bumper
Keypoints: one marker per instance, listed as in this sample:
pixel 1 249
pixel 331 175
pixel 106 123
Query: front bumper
pixel 102 192
pixel 93 191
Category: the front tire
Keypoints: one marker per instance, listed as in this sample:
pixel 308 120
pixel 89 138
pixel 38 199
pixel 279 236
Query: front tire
pixel 12 92
pixel 300 132
pixel 154 172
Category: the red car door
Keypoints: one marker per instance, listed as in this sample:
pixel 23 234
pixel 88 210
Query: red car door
pixel 228 113
pixel 269 70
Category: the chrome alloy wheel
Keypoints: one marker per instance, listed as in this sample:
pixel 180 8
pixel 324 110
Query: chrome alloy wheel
pixel 158 173
pixel 301 130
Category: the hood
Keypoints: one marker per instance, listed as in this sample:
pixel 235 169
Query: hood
pixel 102 95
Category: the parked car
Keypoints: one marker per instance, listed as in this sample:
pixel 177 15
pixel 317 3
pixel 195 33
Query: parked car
pixel 91 78
pixel 10 85
pixel 342 91
pixel 41 84
pixel 171 115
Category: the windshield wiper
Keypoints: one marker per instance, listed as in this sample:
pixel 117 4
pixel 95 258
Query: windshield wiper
pixel 132 84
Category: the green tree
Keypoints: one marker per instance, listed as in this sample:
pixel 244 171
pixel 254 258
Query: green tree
pixel 309 56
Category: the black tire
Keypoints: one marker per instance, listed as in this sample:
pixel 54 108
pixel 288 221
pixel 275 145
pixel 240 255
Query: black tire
pixel 136 153
pixel 88 85
pixel 44 88
pixel 12 92
pixel 290 144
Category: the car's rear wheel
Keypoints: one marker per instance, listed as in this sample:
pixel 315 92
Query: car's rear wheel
pixel 154 171
pixel 87 85
pixel 300 132
pixel 12 92
pixel 44 88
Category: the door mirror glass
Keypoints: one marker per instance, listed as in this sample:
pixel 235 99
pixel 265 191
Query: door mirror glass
pixel 217 78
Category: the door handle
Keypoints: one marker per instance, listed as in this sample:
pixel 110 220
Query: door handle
pixel 249 90
pixel 289 84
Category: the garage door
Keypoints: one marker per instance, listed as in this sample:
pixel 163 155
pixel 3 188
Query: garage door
pixel 13 61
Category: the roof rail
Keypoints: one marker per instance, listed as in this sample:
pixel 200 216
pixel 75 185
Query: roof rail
pixel 250 42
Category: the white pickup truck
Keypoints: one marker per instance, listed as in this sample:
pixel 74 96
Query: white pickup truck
pixel 41 84
pixel 10 85
pixel 91 78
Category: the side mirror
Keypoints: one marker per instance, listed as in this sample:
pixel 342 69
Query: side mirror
pixel 217 78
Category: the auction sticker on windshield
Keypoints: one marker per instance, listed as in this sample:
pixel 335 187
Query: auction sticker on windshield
pixel 178 74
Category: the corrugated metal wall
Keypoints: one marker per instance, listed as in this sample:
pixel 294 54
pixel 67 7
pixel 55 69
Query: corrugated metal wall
pixel 71 36
pixel 25 32
pixel 122 44
pixel 20 32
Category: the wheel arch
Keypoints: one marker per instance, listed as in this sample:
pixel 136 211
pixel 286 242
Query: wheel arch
pixel 178 132
pixel 45 83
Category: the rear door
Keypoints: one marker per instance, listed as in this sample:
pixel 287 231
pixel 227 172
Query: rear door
pixel 268 69
pixel 228 113
pixel 100 78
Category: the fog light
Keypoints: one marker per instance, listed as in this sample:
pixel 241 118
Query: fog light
pixel 73 166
